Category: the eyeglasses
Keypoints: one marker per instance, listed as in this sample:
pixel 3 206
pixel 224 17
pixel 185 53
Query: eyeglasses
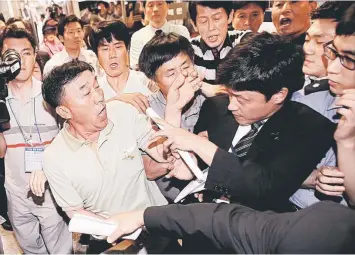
pixel 332 54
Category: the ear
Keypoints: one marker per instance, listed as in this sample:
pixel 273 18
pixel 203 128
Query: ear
pixel 230 18
pixel 312 6
pixel 193 25
pixel 63 112
pixel 280 96
pixel 61 38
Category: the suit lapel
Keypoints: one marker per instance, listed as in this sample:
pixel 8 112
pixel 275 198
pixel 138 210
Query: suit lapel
pixel 271 131
pixel 229 128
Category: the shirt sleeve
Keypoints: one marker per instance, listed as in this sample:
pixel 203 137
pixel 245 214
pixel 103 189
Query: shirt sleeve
pixel 63 191
pixel 185 32
pixel 134 51
pixel 142 129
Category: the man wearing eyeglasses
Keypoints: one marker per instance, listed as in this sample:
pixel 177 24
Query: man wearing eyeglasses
pixel 341 74
pixel 325 19
pixel 338 100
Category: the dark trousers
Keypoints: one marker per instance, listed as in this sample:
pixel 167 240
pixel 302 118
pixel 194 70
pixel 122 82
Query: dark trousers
pixel 3 199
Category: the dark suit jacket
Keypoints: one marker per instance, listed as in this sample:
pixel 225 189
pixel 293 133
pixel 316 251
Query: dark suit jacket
pixel 325 227
pixel 283 154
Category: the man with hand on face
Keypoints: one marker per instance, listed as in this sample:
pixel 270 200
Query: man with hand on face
pixel 156 13
pixel 71 34
pixel 211 19
pixel 167 59
pixel 325 19
pixel 292 18
pixel 261 146
pixel 38 226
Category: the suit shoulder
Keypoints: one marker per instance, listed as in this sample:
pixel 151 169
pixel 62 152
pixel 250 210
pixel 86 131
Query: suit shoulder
pixel 310 118
pixel 219 102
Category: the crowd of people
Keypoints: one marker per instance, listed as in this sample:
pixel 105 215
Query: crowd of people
pixel 269 117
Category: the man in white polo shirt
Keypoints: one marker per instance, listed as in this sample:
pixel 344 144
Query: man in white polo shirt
pixel 71 34
pixel 38 227
pixel 156 12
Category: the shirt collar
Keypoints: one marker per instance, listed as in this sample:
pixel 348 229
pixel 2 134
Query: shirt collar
pixel 227 42
pixel 164 28
pixel 67 56
pixel 75 143
pixel 161 97
pixel 331 99
pixel 36 89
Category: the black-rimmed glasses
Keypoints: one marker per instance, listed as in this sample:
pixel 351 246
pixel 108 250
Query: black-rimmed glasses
pixel 332 54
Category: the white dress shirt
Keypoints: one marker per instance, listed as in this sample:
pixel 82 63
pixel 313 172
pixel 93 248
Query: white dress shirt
pixel 137 82
pixel 241 132
pixel 145 34
pixel 63 57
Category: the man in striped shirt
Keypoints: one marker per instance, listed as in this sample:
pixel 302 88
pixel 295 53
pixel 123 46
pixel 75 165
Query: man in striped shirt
pixel 211 19
pixel 38 227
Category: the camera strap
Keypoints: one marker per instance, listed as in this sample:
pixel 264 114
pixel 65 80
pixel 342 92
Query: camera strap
pixel 27 140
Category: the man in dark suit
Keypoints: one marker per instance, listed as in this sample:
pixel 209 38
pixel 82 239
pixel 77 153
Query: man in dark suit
pixel 325 227
pixel 261 146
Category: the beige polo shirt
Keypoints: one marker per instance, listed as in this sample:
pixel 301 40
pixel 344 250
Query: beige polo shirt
pixel 109 180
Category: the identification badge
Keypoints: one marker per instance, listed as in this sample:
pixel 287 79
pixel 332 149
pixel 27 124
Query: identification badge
pixel 33 159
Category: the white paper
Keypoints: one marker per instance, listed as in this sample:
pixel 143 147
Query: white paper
pixel 184 154
pixel 193 187
pixel 89 225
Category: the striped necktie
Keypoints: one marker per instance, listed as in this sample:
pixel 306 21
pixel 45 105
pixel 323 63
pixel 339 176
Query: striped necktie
pixel 242 147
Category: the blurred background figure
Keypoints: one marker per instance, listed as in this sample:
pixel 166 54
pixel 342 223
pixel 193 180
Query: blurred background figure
pixel 104 10
pixel 248 15
pixel 293 19
pixel 51 43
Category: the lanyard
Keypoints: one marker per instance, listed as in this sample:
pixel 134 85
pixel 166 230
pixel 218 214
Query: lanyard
pixel 28 141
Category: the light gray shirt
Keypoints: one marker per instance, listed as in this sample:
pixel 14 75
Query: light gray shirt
pixel 322 102
pixel 188 122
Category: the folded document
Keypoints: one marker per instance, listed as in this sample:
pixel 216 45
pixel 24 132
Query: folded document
pixel 89 225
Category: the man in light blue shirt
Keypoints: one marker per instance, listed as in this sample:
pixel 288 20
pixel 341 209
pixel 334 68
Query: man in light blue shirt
pixel 325 18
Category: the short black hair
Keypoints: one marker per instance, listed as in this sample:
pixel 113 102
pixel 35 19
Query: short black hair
pixel 161 49
pixel 117 30
pixel 12 20
pixel 144 2
pixel 265 63
pixel 18 33
pixel 66 21
pixel 226 5
pixel 106 4
pixel 42 58
pixel 2 18
pixel 346 25
pixel 55 81
pixel 241 4
pixel 330 10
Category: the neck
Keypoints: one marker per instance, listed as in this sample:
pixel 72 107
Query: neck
pixel 73 53
pixel 118 83
pixel 80 133
pixel 157 25
pixel 21 90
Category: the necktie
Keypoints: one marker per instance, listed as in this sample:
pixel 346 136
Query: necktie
pixel 159 32
pixel 215 53
pixel 242 147
pixel 316 86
